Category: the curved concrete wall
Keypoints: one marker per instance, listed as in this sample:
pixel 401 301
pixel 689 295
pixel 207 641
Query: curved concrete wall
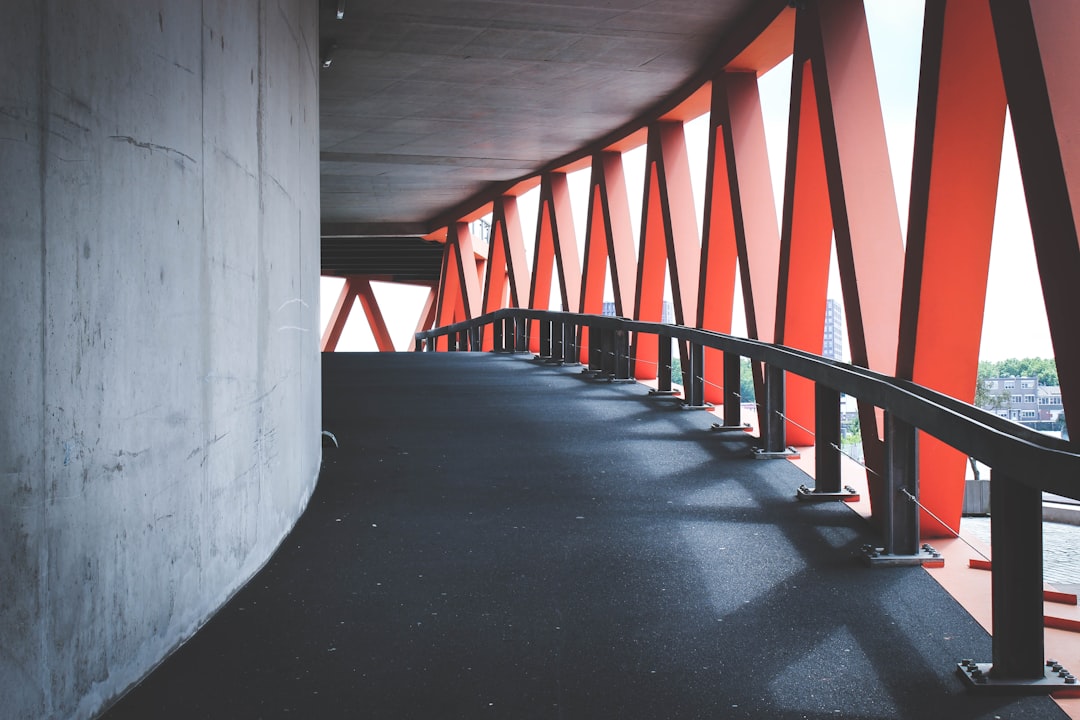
pixel 159 366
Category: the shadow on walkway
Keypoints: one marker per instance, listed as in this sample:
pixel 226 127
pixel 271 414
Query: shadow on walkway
pixel 500 538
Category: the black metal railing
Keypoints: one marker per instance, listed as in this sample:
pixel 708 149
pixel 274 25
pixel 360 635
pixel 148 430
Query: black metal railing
pixel 1023 463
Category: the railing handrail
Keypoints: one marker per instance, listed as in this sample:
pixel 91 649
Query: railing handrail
pixel 1040 461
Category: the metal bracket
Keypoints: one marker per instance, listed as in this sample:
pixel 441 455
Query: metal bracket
pixel 979 678
pixel 877 557
pixel 805 494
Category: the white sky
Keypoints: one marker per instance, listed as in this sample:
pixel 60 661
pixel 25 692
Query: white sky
pixel 1015 319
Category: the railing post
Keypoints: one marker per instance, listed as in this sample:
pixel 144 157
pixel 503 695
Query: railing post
pixel 521 334
pixel 694 379
pixel 607 353
pixel 621 347
pixel 558 330
pixel 902 486
pixel 497 337
pixel 1017 591
pixel 545 340
pixel 1016 544
pixel 570 347
pixel 771 417
pixel 663 367
pixel 596 350
pixel 476 337
pixel 826 449
pixel 732 397
pixel 900 508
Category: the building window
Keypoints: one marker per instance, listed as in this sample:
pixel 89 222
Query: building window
pixel 1028 414
pixel 988 384
pixel 1029 398
pixel 1027 383
pixel 1010 383
pixel 1018 399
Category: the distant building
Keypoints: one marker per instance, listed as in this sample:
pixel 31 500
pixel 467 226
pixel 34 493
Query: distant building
pixel 1023 400
pixel 832 342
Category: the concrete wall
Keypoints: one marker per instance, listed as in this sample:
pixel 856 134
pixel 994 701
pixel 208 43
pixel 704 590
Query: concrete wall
pixel 159 366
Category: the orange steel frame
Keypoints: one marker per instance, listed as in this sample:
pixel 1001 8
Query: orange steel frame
pixel 914 312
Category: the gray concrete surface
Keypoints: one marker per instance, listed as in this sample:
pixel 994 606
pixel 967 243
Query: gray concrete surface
pixel 159 371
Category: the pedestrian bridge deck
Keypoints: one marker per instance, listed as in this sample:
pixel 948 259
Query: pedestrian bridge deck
pixel 500 538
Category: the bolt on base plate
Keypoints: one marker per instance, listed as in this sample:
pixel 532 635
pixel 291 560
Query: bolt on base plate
pixel 877 557
pixel 848 494
pixel 978 678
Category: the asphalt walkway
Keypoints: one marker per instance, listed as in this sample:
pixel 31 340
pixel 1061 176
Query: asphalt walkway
pixel 497 538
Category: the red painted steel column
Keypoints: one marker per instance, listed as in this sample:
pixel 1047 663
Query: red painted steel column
pixel 556 245
pixel 338 317
pixel 426 320
pixel 506 267
pixel 668 233
pixel 866 225
pixel 1039 56
pixel 958 135
pixel 740 219
pixel 805 243
pixel 367 299
pixel 608 241
pixel 719 254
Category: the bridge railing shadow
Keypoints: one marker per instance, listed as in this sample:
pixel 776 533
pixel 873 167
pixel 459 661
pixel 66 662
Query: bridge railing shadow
pixel 1023 463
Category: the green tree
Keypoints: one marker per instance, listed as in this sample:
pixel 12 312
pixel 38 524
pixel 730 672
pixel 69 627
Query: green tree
pixel 746 381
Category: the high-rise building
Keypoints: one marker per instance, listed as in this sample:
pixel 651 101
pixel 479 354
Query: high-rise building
pixel 832 342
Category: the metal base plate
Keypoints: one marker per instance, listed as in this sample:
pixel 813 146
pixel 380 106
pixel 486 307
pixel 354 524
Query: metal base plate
pixel 805 494
pixel 789 454
pixel 978 678
pixel 877 557
pixel 688 406
pixel 664 393
pixel 717 427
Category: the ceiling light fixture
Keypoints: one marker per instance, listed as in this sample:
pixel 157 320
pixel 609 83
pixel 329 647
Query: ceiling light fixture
pixel 340 9
pixel 328 55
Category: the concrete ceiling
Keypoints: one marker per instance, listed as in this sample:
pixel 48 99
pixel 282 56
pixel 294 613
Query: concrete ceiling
pixel 428 103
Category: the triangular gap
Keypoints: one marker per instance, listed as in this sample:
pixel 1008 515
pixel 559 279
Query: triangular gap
pixel 556 303
pixel 652 286
pixel 400 305
pixel 578 184
pixel 634 169
pixel 528 209
pixel 357 335
pixel 481 232
pixel 329 290
pixel 696 132
pixel 738 329
pixel 774 88
pixel 835 295
pixel 1014 320
pixel 896 45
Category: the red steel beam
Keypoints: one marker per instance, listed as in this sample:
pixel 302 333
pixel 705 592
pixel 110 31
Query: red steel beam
pixel 1039 56
pixel 669 236
pixel 958 134
pixel 609 244
pixel 374 315
pixel 556 247
pixel 338 317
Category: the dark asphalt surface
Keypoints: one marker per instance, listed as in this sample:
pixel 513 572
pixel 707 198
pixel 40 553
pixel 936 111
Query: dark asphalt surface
pixel 497 538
